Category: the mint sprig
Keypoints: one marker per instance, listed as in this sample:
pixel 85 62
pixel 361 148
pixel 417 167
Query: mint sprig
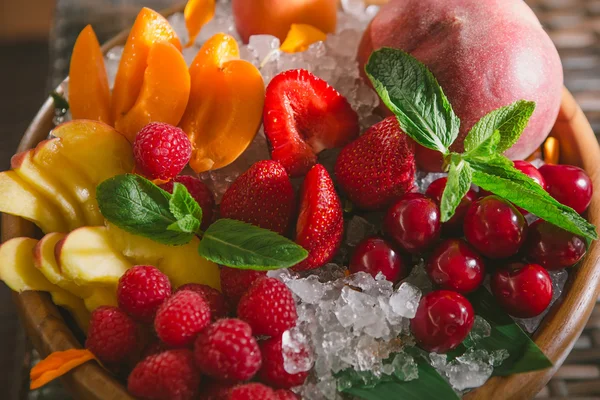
pixel 138 206
pixel 412 93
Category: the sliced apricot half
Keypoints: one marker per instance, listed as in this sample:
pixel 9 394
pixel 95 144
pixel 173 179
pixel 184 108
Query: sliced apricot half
pixel 197 13
pixel 225 107
pixel 164 93
pixel 300 37
pixel 149 27
pixel 89 94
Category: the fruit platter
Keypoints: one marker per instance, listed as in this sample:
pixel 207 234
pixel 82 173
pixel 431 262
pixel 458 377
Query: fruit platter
pixel 266 200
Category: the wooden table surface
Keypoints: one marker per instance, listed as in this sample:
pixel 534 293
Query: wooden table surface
pixel 574 25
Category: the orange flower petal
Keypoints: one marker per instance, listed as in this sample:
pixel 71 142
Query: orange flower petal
pixel 300 37
pixel 56 365
pixel 197 13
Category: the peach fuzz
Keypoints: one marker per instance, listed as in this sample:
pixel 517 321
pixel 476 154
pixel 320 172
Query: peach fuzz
pixel 485 54
pixel 275 17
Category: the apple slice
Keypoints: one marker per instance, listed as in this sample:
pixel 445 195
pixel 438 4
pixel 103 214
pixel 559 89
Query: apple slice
pixel 20 199
pixel 87 257
pixel 49 157
pixel 43 182
pixel 101 296
pixel 73 305
pixel 182 264
pixel 98 150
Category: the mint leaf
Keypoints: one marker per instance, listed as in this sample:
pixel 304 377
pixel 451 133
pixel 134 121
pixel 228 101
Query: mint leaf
pixel 509 121
pixel 240 245
pixel 457 186
pixel 182 205
pixel 499 176
pixel 138 206
pixel 188 224
pixel 413 94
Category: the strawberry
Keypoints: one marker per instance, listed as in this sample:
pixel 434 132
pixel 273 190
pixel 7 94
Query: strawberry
pixel 303 116
pixel 378 167
pixel 262 196
pixel 320 223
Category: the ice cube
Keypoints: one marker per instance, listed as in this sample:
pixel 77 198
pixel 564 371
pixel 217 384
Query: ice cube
pixel 297 351
pixel 470 370
pixel 405 367
pixel 480 330
pixel 405 300
pixel 309 289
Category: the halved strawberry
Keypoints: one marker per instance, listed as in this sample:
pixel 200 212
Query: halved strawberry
pixel 378 167
pixel 303 116
pixel 262 196
pixel 320 223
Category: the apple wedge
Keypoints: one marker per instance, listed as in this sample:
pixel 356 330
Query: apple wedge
pixel 51 189
pixel 17 270
pixel 182 264
pixel 87 257
pixel 21 199
pixel 101 296
pixel 98 150
pixel 49 157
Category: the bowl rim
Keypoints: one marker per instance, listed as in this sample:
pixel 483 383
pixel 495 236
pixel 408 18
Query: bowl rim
pixel 556 335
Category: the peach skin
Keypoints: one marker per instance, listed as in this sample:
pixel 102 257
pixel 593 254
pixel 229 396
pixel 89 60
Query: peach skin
pixel 225 107
pixel 89 94
pixel 149 27
pixel 275 17
pixel 197 13
pixel 164 93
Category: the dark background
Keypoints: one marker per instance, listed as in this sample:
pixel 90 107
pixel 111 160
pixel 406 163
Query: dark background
pixel 35 38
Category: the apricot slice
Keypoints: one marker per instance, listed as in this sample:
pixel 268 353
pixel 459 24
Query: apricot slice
pixel 89 94
pixel 164 93
pixel 149 27
pixel 300 37
pixel 225 107
pixel 197 13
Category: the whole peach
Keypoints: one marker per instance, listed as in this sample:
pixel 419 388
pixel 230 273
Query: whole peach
pixel 274 17
pixel 485 54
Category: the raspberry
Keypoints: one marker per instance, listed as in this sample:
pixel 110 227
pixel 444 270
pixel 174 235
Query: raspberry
pixel 170 375
pixel 283 394
pixel 200 192
pixel 112 335
pixel 227 351
pixel 214 298
pixel 235 282
pixel 181 317
pixel 251 391
pixel 272 371
pixel 155 347
pixel 161 151
pixel 269 308
pixel 142 289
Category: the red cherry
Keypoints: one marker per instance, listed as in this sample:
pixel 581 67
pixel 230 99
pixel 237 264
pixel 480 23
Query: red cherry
pixel 552 247
pixel 528 169
pixel 443 320
pixel 413 222
pixel 569 185
pixel 495 227
pixel 374 255
pixel 523 290
pixel 454 224
pixel 455 265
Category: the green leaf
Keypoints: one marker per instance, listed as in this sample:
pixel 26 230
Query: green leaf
pixel 188 224
pixel 524 355
pixel 413 94
pixel 240 245
pixel 60 103
pixel 138 206
pixel 509 121
pixel 457 186
pixel 499 176
pixel 182 205
pixel 430 385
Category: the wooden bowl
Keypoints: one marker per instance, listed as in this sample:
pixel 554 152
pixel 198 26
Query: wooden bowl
pixel 556 336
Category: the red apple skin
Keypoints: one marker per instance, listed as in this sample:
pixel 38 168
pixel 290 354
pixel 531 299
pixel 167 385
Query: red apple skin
pixel 484 53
